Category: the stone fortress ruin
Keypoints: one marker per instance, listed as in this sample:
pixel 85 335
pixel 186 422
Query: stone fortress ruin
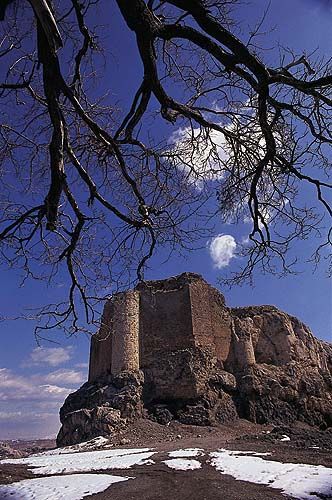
pixel 172 349
pixel 154 327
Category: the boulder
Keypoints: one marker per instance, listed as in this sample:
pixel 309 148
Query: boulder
pixel 101 409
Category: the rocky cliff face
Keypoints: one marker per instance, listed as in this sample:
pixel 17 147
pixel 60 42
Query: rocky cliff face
pixel 257 363
pixel 283 372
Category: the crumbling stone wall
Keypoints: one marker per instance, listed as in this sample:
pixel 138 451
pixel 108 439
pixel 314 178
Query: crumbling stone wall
pixel 158 328
pixel 165 321
pixel 166 339
pixel 211 320
pixel 162 326
pixel 101 346
pixel 125 333
pixel 115 348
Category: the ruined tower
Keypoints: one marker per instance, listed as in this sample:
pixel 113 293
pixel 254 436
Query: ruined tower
pixel 115 348
pixel 156 328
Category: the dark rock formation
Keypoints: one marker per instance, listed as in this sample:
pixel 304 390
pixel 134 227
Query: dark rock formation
pixel 101 408
pixel 171 349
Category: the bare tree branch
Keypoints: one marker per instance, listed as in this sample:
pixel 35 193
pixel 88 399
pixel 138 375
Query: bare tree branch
pixel 95 188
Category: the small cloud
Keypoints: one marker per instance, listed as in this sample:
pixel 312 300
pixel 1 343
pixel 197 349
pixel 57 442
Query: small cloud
pixel 201 155
pixel 222 250
pixel 82 365
pixel 10 415
pixel 54 390
pixel 52 356
pixel 65 377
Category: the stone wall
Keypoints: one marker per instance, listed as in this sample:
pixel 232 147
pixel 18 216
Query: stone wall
pixel 125 332
pixel 165 322
pixel 166 327
pixel 211 320
pixel 157 328
pixel 166 339
pixel 115 348
pixel 101 345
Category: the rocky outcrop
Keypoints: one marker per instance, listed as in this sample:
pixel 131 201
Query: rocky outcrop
pixel 7 451
pixel 179 353
pixel 101 408
pixel 284 374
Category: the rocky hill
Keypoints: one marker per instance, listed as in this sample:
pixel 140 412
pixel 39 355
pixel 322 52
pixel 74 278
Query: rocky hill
pixel 172 350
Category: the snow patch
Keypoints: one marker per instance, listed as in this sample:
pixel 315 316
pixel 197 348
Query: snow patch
pixel 188 452
pixel 284 437
pixel 250 453
pixel 297 480
pixel 183 464
pixel 74 487
pixel 67 463
pixel 97 442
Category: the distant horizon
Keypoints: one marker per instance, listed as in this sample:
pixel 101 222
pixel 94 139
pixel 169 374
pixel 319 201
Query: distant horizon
pixel 41 438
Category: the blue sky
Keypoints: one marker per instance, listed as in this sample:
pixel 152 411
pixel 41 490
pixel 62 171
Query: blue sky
pixel 35 380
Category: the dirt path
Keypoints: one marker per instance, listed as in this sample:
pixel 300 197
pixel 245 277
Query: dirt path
pixel 158 482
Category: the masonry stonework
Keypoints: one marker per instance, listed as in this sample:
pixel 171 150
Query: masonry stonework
pixel 211 321
pixel 125 332
pixel 115 348
pixel 160 320
pixel 101 345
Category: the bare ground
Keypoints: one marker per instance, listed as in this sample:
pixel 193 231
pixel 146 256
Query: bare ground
pixel 159 482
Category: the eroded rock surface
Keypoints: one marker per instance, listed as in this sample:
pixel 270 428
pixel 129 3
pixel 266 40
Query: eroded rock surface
pixel 101 408
pixel 7 451
pixel 173 350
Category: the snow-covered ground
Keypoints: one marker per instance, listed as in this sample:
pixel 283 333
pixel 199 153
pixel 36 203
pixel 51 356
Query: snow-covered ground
pixel 188 452
pixel 75 465
pixel 179 459
pixel 72 487
pixel 183 464
pixel 66 463
pixel 296 480
pixel 92 444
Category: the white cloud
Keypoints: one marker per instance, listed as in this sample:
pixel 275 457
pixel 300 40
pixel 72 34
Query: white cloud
pixel 52 356
pixel 203 155
pixel 199 153
pixel 20 416
pixel 65 377
pixel 19 388
pixel 54 390
pixel 10 415
pixel 30 404
pixel 12 385
pixel 222 249
pixel 82 365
